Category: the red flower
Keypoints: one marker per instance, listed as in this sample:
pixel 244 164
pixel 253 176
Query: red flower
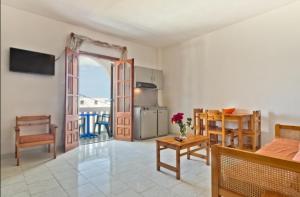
pixel 177 118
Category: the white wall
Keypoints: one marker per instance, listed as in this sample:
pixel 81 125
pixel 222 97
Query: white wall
pixel 27 94
pixel 254 64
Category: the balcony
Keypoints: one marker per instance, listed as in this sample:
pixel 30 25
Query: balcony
pixel 89 130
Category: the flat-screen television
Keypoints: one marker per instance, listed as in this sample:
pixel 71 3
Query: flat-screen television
pixel 31 62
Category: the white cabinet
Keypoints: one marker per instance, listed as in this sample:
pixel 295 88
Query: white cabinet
pixel 148 124
pixel 148 75
pixel 162 122
pixel 158 79
pixel 142 74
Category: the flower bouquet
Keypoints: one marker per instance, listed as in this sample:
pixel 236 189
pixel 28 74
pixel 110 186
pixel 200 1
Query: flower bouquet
pixel 178 119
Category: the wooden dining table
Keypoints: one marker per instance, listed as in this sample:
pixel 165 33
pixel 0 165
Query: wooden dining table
pixel 240 118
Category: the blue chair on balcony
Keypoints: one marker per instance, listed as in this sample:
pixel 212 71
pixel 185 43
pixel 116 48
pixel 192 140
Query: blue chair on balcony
pixel 82 121
pixel 104 120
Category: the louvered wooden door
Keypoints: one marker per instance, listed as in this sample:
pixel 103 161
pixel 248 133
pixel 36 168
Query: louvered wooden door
pixel 124 100
pixel 71 131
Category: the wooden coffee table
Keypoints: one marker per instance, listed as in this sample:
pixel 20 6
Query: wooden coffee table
pixel 199 141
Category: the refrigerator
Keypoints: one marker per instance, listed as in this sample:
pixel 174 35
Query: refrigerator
pixel 150 122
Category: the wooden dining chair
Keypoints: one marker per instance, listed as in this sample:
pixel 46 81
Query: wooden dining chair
pixel 253 132
pixel 199 118
pixel 215 127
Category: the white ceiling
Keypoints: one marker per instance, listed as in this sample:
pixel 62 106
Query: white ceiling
pixel 154 22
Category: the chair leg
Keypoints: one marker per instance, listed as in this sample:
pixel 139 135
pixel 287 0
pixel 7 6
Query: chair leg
pixel 254 143
pixel 15 151
pixel 259 141
pixel 95 125
pixel 110 131
pixel 107 130
pixel 18 156
pixel 223 140
pixel 232 139
pixel 99 128
pixel 54 150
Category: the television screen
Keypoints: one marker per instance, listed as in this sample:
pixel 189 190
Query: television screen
pixel 31 62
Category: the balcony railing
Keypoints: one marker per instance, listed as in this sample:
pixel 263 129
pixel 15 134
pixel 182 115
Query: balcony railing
pixel 90 122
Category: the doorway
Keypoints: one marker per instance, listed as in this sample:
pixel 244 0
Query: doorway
pixel 95 99
pixel 120 119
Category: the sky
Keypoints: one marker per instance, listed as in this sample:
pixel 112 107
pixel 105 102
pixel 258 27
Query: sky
pixel 94 81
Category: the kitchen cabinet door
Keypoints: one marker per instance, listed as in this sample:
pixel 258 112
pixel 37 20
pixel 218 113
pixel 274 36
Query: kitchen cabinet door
pixel 163 122
pixel 143 75
pixel 148 124
pixel 158 79
pixel 148 75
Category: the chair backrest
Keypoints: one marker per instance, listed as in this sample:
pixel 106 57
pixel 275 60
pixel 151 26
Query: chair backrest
pixel 199 117
pixel 256 121
pixel 82 120
pixel 36 122
pixel 214 115
pixel 103 118
pixel 287 131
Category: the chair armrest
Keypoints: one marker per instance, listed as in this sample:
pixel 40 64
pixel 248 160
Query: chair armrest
pixel 17 130
pixel 53 128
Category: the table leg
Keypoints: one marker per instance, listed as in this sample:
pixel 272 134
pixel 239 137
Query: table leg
pixel 207 153
pixel 240 133
pixel 157 156
pixel 188 153
pixel 88 125
pixel 178 163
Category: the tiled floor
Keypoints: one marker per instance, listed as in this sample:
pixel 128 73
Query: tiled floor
pixel 99 138
pixel 112 168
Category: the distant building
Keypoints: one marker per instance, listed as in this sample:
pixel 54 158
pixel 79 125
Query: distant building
pixel 85 102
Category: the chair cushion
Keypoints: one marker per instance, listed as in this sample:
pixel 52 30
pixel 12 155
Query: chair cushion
pixel 229 110
pixel 281 148
pixel 297 157
pixel 35 138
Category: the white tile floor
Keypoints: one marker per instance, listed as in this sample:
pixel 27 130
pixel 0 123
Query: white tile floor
pixel 112 168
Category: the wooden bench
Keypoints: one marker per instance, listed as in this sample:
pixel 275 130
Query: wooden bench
pixel 28 122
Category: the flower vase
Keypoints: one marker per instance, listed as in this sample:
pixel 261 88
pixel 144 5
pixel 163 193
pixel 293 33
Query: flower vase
pixel 182 133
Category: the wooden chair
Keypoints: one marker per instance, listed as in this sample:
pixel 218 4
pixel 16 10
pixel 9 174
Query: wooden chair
pixel 253 132
pixel 28 123
pixel 199 117
pixel 215 117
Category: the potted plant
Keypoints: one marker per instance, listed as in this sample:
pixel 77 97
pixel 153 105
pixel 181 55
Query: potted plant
pixel 178 119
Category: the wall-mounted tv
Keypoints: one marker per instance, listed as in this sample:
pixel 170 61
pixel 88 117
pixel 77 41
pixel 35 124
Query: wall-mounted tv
pixel 31 62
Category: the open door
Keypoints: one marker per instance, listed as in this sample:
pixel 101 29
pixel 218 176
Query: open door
pixel 71 131
pixel 124 100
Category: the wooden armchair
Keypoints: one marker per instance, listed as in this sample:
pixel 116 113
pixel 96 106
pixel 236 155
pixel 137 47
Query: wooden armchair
pixel 28 123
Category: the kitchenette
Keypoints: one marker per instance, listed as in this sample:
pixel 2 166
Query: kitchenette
pixel 150 119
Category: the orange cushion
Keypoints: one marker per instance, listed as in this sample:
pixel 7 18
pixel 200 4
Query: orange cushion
pixel 229 110
pixel 281 148
pixel 35 138
pixel 297 157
